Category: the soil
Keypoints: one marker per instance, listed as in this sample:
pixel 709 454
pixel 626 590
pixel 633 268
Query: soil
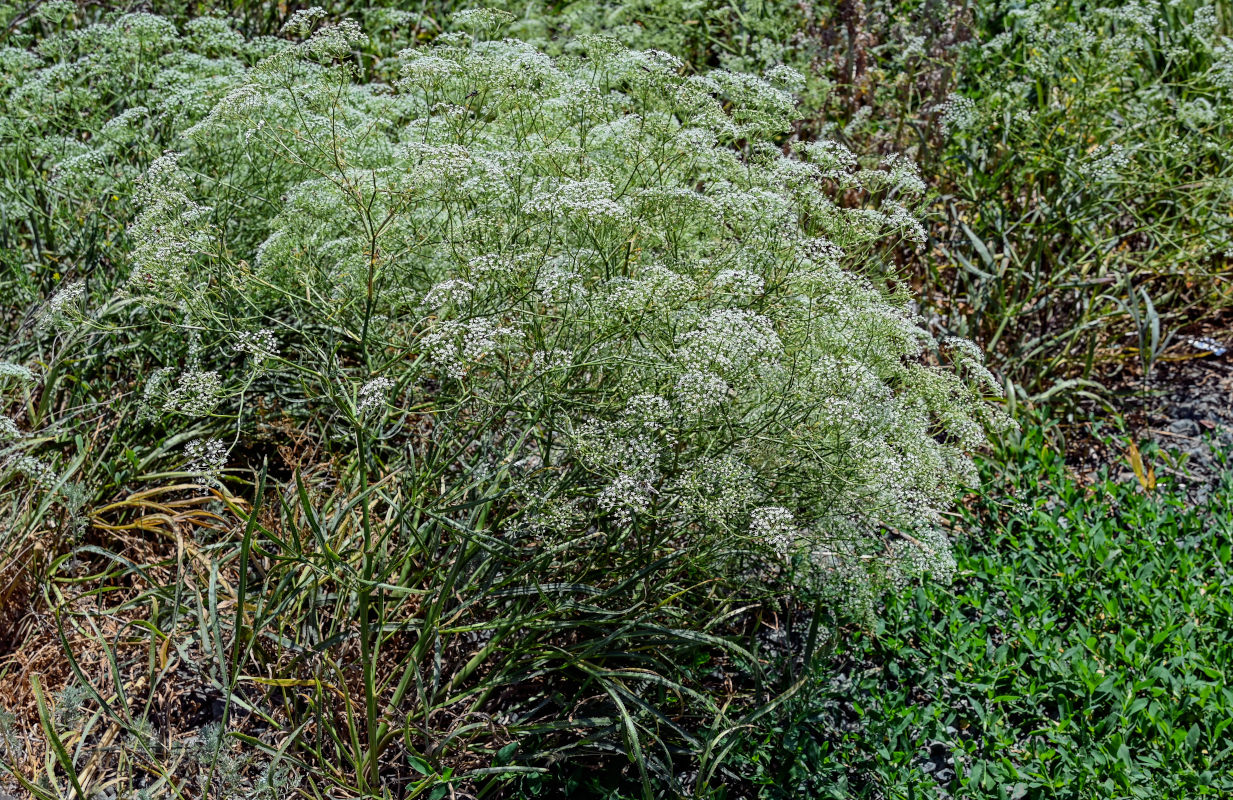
pixel 1186 409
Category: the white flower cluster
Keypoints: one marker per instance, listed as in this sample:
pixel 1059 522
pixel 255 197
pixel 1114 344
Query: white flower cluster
pixel 958 113
pixel 455 347
pixel 612 259
pixel 1105 164
pixel 303 21
pixel 206 459
pixel 648 410
pixel 260 344
pixel 453 291
pixel 901 218
pixel 971 360
pixel 550 361
pixel 482 19
pixel 56 11
pixel 170 235
pixel 903 176
pixel 775 527
pixel 36 470
pixel 700 392
pixel 628 494
pixel 197 393
pixel 729 341
pixel 372 395
pixel 718 490
pixel 1205 23
pixel 1221 71
pixel 64 306
pixel 9 429
pixel 739 281
pixel 590 199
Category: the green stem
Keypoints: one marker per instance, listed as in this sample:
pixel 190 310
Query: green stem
pixel 368 648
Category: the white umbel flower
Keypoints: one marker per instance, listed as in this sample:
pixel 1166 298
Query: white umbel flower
pixel 206 459
pixel 372 395
pixel 197 393
pixel 775 527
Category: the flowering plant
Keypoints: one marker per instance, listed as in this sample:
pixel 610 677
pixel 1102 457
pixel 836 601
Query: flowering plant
pixel 612 262
pixel 596 358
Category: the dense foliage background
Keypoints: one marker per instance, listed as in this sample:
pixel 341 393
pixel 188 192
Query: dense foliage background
pixel 551 398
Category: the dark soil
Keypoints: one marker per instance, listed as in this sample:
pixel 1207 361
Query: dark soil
pixel 1187 410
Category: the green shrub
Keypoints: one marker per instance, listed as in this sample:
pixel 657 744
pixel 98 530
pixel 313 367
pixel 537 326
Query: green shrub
pixel 87 108
pixel 1059 265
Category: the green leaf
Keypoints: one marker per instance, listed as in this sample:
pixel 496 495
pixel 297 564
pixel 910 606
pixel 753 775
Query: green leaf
pixel 1192 736
pixel 505 754
pixel 53 738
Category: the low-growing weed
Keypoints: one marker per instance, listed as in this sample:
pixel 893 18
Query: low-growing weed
pixel 1082 652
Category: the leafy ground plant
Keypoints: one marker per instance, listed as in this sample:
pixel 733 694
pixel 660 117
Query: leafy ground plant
pixel 1082 652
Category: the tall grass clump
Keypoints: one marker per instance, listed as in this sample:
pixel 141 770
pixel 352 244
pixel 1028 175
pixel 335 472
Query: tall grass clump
pixel 486 411
pixel 1091 204
pixel 1078 152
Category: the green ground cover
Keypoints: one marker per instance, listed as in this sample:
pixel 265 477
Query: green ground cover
pixel 1083 651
